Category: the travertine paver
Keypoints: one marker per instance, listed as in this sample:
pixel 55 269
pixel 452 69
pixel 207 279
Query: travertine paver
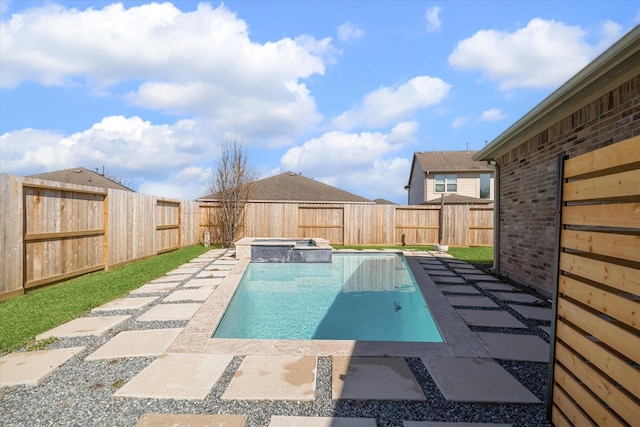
pixel 515 347
pixel 219 267
pixel 274 378
pixel 516 297
pixel 459 289
pixel 165 312
pixel 470 301
pixel 181 271
pixel 200 294
pixel 126 304
pixel 448 424
pixel 150 342
pixel 84 326
pixel 476 380
pixel 155 288
pixel 495 286
pixel 282 421
pixel 374 378
pixel 177 376
pixel 32 367
pixel 490 318
pixel 196 283
pixel 534 313
pixel 171 278
pixel 212 274
pixel 191 420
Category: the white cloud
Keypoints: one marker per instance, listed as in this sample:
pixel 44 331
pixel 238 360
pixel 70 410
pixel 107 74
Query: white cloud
pixel 433 19
pixel 459 122
pixel 543 54
pixel 492 115
pixel 348 32
pixel 387 105
pixel 200 63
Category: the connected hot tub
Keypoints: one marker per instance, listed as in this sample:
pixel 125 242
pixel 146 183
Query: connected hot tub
pixel 269 249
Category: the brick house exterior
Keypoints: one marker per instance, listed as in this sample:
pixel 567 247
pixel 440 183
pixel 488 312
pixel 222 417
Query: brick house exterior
pixel 599 106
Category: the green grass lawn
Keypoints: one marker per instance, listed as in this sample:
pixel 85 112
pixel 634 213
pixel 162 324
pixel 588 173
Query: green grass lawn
pixel 22 318
pixel 474 255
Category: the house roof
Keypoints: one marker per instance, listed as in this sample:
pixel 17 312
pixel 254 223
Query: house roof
pixel 613 67
pixel 457 199
pixel 384 202
pixel 450 161
pixel 80 176
pixel 293 187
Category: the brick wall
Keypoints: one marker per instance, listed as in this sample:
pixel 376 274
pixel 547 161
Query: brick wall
pixel 528 181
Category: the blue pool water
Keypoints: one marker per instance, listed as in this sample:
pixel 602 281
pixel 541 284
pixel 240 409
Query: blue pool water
pixel 367 297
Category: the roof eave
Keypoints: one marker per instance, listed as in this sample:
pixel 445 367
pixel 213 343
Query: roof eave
pixel 589 77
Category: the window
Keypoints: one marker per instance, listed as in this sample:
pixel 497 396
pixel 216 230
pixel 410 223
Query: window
pixel 485 186
pixel 446 183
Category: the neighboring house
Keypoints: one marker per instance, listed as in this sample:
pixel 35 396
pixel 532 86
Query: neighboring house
pixel 293 187
pixel 438 173
pixel 597 107
pixel 81 176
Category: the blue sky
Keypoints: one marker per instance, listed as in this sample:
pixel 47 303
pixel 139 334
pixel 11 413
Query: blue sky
pixel 341 91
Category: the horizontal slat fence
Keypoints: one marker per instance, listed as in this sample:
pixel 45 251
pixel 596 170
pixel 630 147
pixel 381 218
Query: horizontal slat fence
pixel 596 367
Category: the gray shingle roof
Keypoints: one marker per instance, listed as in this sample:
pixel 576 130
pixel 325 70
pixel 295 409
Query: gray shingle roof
pixel 293 187
pixel 80 176
pixel 450 161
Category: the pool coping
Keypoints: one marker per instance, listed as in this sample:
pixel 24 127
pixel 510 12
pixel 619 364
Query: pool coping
pixel 459 341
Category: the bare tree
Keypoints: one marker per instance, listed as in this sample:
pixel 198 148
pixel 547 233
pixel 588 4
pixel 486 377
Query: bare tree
pixel 231 185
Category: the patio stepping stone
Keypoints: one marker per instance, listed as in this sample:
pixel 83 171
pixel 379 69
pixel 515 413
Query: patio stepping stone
pixel 32 367
pixel 200 294
pixel 155 288
pixel 165 312
pixel 470 301
pixel 374 378
pixel 479 277
pixel 467 270
pixel 440 272
pixel 219 267
pixel 546 329
pixel 171 278
pixel 151 342
pixel 496 286
pixel 449 424
pixel 125 304
pixel 433 266
pixel 528 348
pixel 459 289
pixel 212 274
pixel 476 380
pixel 516 297
pixel 445 279
pixel 283 421
pixel 191 420
pixel 490 318
pixel 183 270
pixel 274 378
pixel 196 283
pixel 177 376
pixel 83 326
pixel 534 313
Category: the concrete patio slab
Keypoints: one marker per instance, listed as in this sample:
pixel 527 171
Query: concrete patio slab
pixel 152 342
pixel 177 376
pixel 546 329
pixel 155 288
pixel 125 304
pixel 433 266
pixel 490 318
pixel 467 270
pixel 459 289
pixel 443 272
pixel 84 326
pixel 516 297
pixel 171 278
pixel 191 420
pixel 282 421
pixel 200 294
pixel 448 424
pixel 515 347
pixel 212 274
pixel 479 277
pixel 534 313
pixel 196 283
pixel 165 312
pixel 496 286
pixel 219 267
pixel 374 378
pixel 32 367
pixel 274 378
pixel 184 270
pixel 446 279
pixel 476 380
pixel 470 301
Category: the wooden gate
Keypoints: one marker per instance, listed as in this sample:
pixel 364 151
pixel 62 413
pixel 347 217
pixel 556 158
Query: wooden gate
pixel 595 378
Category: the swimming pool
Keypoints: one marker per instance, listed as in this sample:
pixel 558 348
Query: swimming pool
pixel 367 297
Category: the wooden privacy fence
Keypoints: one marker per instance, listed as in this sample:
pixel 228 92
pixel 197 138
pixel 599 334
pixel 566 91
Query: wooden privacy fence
pixel 362 223
pixel 52 231
pixel 596 353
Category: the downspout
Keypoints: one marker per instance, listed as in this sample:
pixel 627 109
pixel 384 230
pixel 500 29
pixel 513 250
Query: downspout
pixel 496 216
